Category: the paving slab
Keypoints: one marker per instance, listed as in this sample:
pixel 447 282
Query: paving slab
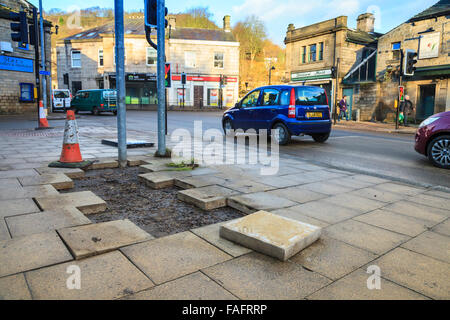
pixel 432 201
pixel 365 236
pixel 46 190
pixel 291 213
pixel 246 186
pixel 271 234
pixel 277 182
pixel 419 211
pixel 326 187
pixel 104 277
pixel 177 255
pixel 14 288
pixel 135 161
pixel 104 163
pixel 415 271
pixel 333 258
pixel 298 194
pixel 207 198
pixel 437 193
pixel 59 180
pixel 211 234
pixel 377 194
pixel 395 222
pixel 45 221
pixel 9 183
pixel 443 228
pixel 355 202
pixel 195 286
pixel 70 172
pixel 95 239
pixel 399 188
pixel 17 173
pixel 163 179
pixel 325 211
pixel 15 207
pixel 351 182
pixel 257 277
pixel 201 171
pixel 354 287
pixel 371 179
pixel 430 244
pixel 4 233
pixel 249 203
pixel 31 252
pixel 154 167
pixel 86 201
pixel 197 182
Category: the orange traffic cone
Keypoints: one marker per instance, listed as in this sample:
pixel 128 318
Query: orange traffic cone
pixel 43 123
pixel 71 154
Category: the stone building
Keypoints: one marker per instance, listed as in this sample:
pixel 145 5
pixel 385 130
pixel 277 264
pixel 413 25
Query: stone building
pixel 17 72
pixel 312 52
pixel 86 61
pixel 428 33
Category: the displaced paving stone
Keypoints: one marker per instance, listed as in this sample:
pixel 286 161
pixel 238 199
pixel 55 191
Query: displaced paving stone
pixel 17 173
pixel 45 221
pixel 195 286
pixel 197 182
pixel 27 192
pixel 365 236
pixel 428 200
pixel 417 272
pixel 94 239
pixel 156 165
pixel 246 186
pixel 86 201
pixel 351 201
pixel 9 183
pixel 324 211
pixel 249 203
pixel 31 252
pixel 104 277
pixel 354 287
pixel 443 228
pixel 257 277
pixel 271 234
pixel 15 207
pixel 418 211
pixel 104 163
pixel 298 194
pixel 395 222
pixel 211 234
pixel 207 198
pixel 70 172
pixel 134 161
pixel 398 188
pixel 59 180
pixel 333 258
pixel 430 244
pixel 14 288
pixel 291 213
pixel 177 255
pixel 376 194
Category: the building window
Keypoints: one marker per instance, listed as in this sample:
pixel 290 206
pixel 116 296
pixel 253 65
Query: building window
pixel 396 47
pixel 26 92
pixel 312 53
pixel 152 56
pixel 321 51
pixel 100 57
pixel 304 54
pixel 76 59
pixel 190 59
pixel 218 60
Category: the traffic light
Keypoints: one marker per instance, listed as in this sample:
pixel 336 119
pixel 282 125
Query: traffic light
pixel 151 13
pixel 168 76
pixel 183 78
pixel 410 61
pixel 333 72
pixel 225 80
pixel 20 28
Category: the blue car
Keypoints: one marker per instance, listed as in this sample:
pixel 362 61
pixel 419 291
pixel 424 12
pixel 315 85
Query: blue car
pixel 290 110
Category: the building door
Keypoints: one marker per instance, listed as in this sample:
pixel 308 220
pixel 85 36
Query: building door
pixel 349 93
pixel 198 96
pixel 425 106
pixel 76 86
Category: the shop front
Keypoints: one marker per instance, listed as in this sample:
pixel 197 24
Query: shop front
pixel 318 78
pixel 141 90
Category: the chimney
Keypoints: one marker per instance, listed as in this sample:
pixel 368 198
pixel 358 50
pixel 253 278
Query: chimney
pixel 365 22
pixel 172 22
pixel 227 23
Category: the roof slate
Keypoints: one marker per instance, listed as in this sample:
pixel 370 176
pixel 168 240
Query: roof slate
pixel 441 8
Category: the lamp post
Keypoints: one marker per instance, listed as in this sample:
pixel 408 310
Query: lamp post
pixel 270 74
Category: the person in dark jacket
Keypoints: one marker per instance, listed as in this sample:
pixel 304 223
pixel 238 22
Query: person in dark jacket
pixel 343 108
pixel 407 108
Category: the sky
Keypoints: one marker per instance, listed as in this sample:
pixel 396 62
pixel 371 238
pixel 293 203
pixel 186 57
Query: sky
pixel 277 14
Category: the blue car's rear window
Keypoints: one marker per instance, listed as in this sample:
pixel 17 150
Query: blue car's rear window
pixel 310 96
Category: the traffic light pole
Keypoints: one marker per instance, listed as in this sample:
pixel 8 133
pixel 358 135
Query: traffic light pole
pixel 399 84
pixel 36 62
pixel 161 78
pixel 43 66
pixel 120 83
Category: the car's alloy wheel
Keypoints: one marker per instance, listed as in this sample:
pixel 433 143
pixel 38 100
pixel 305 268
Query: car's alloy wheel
pixel 281 134
pixel 439 152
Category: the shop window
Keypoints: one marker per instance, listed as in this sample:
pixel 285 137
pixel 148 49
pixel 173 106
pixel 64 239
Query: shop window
pixel 152 56
pixel 100 57
pixel 218 60
pixel 26 92
pixel 190 59
pixel 180 95
pixel 213 97
pixel 312 52
pixel 320 51
pixel 304 54
pixel 76 59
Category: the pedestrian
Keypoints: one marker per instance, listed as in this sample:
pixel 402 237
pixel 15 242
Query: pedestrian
pixel 406 107
pixel 343 108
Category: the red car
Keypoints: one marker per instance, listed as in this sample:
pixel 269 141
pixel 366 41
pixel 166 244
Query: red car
pixel 433 139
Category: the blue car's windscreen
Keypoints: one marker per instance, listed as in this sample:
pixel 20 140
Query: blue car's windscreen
pixel 310 96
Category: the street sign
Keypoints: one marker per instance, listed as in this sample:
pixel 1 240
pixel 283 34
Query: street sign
pixel 44 73
pixel 168 76
pixel 401 93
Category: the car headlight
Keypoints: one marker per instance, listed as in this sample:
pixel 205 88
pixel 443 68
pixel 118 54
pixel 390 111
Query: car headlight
pixel 428 121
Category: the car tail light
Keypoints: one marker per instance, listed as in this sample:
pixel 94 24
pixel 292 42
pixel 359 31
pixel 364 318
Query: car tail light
pixel 291 110
pixel 102 105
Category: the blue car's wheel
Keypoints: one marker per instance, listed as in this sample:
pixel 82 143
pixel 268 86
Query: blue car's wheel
pixel 228 127
pixel 281 134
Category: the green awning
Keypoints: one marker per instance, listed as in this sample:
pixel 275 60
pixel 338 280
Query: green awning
pixel 432 71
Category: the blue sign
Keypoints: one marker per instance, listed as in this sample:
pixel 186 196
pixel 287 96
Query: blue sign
pixel 16 64
pixel 45 73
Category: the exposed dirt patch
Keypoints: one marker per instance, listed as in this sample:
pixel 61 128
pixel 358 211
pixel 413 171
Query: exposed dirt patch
pixel 158 212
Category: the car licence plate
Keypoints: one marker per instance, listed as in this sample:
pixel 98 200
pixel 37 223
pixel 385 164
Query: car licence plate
pixel 112 105
pixel 314 114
